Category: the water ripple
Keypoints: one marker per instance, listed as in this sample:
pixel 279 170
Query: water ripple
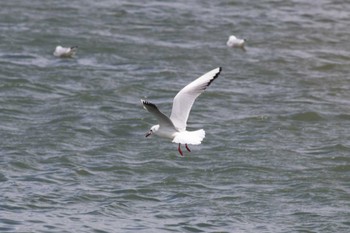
pixel 73 156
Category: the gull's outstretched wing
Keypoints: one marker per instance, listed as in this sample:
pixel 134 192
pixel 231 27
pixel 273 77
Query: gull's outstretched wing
pixel 184 100
pixel 163 120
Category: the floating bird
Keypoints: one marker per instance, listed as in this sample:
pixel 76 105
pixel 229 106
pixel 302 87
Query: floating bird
pixel 65 52
pixel 234 42
pixel 174 127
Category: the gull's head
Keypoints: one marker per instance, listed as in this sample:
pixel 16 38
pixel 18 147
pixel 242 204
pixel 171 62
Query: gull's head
pixel 153 130
pixel 74 49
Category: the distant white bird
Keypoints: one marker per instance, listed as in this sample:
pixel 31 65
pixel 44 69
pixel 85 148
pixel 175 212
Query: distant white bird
pixel 234 42
pixel 175 126
pixel 65 52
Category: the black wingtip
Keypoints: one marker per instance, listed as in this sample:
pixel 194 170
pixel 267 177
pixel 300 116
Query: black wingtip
pixel 215 76
pixel 145 102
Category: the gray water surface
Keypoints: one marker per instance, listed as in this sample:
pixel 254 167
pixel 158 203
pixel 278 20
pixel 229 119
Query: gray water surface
pixel 73 156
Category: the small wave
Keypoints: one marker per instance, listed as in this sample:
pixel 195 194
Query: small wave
pixel 25 59
pixel 343 116
pixel 307 116
pixel 3 178
pixel 17 56
pixel 327 149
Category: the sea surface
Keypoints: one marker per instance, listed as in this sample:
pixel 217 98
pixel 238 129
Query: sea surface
pixel 73 152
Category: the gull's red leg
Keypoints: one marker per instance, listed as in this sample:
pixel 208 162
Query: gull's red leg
pixel 179 149
pixel 188 148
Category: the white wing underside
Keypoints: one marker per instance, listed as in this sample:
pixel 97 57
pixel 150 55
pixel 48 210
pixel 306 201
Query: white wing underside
pixel 184 100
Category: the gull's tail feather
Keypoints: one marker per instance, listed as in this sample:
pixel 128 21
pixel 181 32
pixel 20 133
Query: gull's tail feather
pixel 189 137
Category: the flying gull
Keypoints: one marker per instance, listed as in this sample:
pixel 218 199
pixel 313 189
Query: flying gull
pixel 174 127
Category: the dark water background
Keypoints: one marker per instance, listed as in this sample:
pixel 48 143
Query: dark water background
pixel 73 157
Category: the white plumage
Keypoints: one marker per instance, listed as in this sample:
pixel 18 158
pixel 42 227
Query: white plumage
pixel 174 127
pixel 235 42
pixel 65 52
pixel 189 137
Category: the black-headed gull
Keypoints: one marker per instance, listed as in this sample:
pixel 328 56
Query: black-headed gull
pixel 65 52
pixel 235 42
pixel 174 127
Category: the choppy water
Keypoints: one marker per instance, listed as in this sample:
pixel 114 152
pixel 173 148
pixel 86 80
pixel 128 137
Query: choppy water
pixel 73 157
